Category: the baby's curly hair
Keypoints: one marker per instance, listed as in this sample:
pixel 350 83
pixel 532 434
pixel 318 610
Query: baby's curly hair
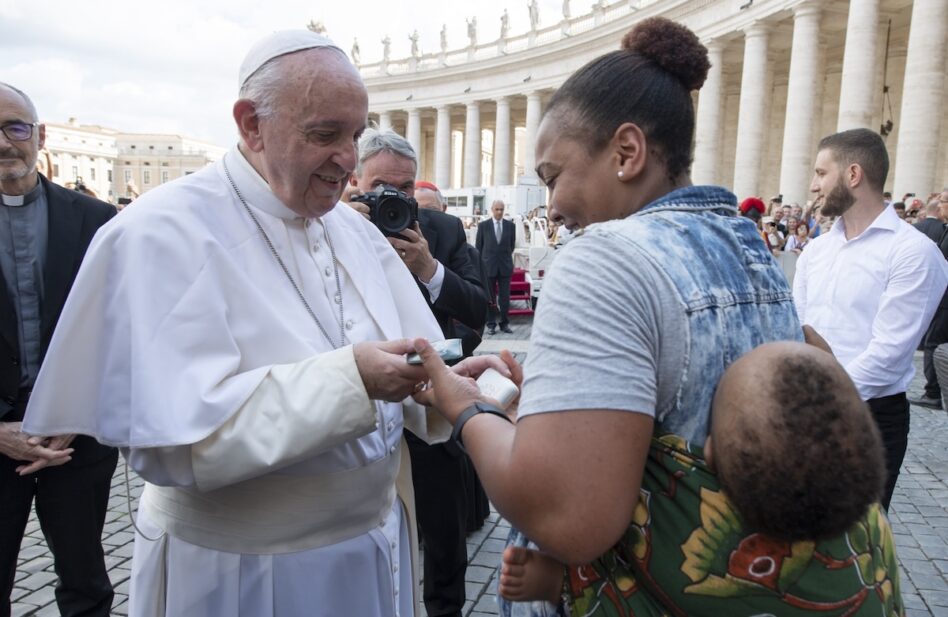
pixel 647 82
pixel 810 461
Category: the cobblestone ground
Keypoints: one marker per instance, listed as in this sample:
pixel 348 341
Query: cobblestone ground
pixel 919 516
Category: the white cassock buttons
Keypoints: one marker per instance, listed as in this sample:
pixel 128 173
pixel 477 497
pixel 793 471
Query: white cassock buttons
pixel 349 324
pixel 328 271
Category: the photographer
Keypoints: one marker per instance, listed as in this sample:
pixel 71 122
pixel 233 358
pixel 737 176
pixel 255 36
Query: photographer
pixel 772 236
pixel 435 250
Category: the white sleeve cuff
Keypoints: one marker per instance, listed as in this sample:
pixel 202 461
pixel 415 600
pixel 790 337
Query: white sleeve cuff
pixel 434 285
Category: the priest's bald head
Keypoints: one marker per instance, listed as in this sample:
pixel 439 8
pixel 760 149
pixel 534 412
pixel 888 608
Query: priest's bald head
pixel 301 110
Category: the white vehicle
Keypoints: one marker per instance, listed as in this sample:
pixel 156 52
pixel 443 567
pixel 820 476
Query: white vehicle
pixel 519 199
pixel 533 253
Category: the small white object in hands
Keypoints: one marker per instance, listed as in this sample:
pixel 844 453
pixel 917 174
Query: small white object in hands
pixel 494 385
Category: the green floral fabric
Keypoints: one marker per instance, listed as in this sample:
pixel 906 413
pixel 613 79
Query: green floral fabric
pixel 686 553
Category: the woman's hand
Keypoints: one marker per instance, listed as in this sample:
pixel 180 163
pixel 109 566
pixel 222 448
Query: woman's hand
pixel 451 391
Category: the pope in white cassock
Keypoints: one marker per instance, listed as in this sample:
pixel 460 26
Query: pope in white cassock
pixel 242 339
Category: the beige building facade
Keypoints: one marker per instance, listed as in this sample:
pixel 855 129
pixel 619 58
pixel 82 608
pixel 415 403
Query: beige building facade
pixel 144 161
pixel 115 164
pixel 784 73
pixel 82 153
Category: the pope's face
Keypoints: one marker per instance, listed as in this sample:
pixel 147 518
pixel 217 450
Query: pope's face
pixel 309 143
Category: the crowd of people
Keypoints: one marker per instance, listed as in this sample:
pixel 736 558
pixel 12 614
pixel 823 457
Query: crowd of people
pixel 240 335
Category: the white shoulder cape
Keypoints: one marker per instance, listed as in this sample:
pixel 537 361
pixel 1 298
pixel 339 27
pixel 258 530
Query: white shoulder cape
pixel 179 310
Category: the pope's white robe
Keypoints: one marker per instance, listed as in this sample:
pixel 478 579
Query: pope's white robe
pixel 183 343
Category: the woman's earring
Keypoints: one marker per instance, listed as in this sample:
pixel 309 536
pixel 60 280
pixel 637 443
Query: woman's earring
pixel 621 173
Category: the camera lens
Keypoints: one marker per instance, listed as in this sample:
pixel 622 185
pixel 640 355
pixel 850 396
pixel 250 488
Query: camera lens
pixel 394 215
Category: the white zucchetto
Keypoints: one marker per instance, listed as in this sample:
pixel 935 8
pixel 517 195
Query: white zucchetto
pixel 278 44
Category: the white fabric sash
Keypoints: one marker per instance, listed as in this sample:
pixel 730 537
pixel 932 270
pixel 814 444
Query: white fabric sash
pixel 277 513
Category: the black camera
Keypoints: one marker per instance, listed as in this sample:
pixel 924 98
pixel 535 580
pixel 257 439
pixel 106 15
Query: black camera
pixel 391 210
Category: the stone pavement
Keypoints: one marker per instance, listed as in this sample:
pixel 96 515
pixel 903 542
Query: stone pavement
pixel 919 516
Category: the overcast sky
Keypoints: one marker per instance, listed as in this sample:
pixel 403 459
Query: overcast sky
pixel 170 66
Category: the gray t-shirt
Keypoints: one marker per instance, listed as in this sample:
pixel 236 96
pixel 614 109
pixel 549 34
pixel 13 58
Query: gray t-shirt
pixel 609 332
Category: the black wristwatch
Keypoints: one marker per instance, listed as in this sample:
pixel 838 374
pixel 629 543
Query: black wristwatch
pixel 470 412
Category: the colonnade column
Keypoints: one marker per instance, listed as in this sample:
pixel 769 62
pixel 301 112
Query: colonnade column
pixel 753 107
pixel 922 99
pixel 502 143
pixel 413 132
pixel 472 145
pixel 796 160
pixel 708 120
pixel 443 147
pixel 858 87
pixel 533 124
pixel 385 121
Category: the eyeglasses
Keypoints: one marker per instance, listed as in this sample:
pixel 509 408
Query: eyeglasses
pixel 18 131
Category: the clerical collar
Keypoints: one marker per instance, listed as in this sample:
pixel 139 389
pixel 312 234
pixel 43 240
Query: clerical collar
pixel 23 200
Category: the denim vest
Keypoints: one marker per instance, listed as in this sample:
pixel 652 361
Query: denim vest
pixel 734 295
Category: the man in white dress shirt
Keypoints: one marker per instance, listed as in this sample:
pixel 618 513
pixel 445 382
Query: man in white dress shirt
pixel 242 339
pixel 871 285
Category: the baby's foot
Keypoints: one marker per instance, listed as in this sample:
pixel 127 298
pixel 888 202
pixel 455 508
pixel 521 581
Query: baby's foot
pixel 528 575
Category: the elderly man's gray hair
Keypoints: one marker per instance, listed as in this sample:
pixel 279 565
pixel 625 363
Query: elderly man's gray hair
pixel 375 141
pixel 262 87
pixel 29 103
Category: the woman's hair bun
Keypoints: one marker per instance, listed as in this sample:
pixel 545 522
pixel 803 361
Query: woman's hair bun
pixel 673 47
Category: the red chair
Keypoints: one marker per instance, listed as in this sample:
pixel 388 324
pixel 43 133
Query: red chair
pixel 520 292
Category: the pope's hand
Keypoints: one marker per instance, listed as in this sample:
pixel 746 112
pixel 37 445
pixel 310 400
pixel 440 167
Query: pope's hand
pixel 452 390
pixel 384 371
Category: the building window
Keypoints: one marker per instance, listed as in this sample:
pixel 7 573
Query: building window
pixel 164 164
pixel 164 176
pixel 146 177
pixel 151 147
pixel 108 174
pixel 75 172
pixel 92 174
pixel 128 176
pixel 146 163
pixel 132 146
pixel 55 170
pixel 171 147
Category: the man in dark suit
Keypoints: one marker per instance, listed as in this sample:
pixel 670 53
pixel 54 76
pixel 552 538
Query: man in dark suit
pixel 496 239
pixel 937 333
pixel 436 253
pixel 932 225
pixel 44 233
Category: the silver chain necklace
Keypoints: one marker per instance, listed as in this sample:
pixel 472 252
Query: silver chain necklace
pixel 335 268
